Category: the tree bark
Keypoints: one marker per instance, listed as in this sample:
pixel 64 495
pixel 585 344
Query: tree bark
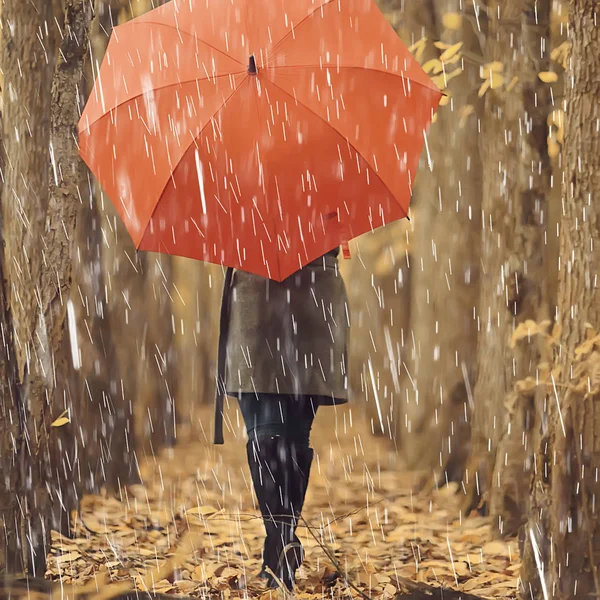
pixel 563 537
pixel 508 495
pixel 513 254
pixel 39 204
pixel 26 47
pixel 444 270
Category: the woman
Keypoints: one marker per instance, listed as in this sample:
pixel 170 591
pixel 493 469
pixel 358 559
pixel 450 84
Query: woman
pixel 282 354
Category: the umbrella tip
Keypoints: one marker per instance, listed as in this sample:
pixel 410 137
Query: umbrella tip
pixel 252 69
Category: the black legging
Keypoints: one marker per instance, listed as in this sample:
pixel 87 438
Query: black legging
pixel 278 415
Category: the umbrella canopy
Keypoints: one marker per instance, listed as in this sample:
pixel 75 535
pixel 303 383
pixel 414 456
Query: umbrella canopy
pixel 257 134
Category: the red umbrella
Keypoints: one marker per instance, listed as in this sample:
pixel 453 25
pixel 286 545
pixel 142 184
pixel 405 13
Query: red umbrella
pixel 257 134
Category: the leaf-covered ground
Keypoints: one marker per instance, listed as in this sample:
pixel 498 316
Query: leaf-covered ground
pixel 195 512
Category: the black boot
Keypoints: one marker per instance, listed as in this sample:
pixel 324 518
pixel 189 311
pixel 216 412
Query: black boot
pixel 280 469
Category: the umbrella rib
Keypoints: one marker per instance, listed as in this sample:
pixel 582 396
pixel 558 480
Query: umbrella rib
pixel 187 148
pixel 156 89
pixel 433 88
pixel 294 29
pixel 342 136
pixel 191 35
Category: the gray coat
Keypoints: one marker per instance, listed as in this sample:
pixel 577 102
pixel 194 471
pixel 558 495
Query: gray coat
pixel 288 337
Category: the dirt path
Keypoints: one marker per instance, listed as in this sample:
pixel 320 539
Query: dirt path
pixel 359 504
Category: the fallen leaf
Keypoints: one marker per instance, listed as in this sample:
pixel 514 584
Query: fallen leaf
pixel 451 51
pixel 452 21
pixel 548 76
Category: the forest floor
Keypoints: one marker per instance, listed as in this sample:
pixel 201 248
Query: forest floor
pixel 195 512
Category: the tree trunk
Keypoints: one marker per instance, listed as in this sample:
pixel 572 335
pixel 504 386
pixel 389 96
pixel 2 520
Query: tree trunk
pixel 379 296
pixel 68 182
pixel 196 305
pixel 516 187
pixel 156 375
pixel 26 135
pixel 445 269
pixel 508 494
pixel 563 537
pixel 39 205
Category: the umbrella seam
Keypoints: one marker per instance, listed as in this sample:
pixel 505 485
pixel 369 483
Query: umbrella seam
pixel 293 30
pixel 433 88
pixel 134 23
pixel 186 150
pixel 374 171
pixel 156 89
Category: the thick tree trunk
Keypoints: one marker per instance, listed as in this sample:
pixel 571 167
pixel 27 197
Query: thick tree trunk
pixel 68 182
pixel 516 187
pixel 563 538
pixel 445 270
pixel 508 494
pixel 11 416
pixel 39 205
pixel 26 48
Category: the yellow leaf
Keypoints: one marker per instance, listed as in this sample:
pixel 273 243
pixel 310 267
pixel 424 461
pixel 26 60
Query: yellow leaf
pixel 442 45
pixel 445 100
pixel 511 85
pixel 553 149
pixel 548 76
pixel 485 86
pixel 202 511
pixel 496 80
pixel 587 346
pixel 418 44
pixel 492 67
pixel 527 385
pixel 62 558
pixel 431 64
pixel 556 118
pixel 528 329
pixel 453 60
pixel 418 48
pixel 442 80
pixel 62 420
pixel 450 52
pixel 452 21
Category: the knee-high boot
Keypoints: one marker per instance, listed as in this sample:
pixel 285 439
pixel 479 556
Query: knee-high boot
pixel 280 470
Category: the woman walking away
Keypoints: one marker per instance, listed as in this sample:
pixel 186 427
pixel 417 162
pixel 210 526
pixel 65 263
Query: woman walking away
pixel 282 354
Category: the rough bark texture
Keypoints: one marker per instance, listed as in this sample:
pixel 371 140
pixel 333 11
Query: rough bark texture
pixel 26 132
pixel 39 205
pixel 567 531
pixel 10 427
pixel 516 187
pixel 444 269
pixel 508 494
pixel 68 182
